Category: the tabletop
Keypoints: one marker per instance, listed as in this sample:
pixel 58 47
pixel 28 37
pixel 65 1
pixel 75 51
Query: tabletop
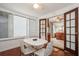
pixel 35 41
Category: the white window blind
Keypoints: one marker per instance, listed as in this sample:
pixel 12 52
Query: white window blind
pixel 19 26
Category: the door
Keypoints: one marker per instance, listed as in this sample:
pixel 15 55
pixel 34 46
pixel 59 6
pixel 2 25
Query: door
pixel 71 31
pixel 42 28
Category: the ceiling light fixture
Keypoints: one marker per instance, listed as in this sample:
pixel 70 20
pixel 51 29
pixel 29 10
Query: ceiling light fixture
pixel 36 6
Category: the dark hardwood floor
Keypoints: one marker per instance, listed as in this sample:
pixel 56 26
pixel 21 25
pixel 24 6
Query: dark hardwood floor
pixel 17 52
pixel 59 52
pixel 12 52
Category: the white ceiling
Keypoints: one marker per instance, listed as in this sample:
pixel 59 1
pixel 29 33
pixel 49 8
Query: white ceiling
pixel 27 8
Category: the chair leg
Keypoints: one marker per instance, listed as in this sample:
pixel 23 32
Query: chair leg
pixel 35 54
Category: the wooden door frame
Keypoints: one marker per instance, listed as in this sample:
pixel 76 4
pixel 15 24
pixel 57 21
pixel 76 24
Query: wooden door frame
pixel 76 30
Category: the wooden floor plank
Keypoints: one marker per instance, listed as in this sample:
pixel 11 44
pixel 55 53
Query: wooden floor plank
pixel 59 52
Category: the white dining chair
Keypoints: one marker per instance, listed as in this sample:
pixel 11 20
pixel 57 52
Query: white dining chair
pixel 45 51
pixel 26 49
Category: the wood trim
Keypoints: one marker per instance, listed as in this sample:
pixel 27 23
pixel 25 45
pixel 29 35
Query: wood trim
pixel 71 11
pixel 45 29
pixel 39 29
pixel 76 24
pixel 64 31
pixel 76 30
pixel 11 52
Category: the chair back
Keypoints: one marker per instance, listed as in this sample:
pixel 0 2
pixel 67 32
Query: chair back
pixel 23 46
pixel 49 49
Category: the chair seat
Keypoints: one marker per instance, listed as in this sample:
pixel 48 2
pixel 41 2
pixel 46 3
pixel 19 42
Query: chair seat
pixel 29 50
pixel 40 52
pixel 45 51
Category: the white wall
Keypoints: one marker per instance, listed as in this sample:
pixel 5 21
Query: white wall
pixel 27 27
pixel 10 44
pixel 37 27
pixel 31 28
pixel 10 26
pixel 16 12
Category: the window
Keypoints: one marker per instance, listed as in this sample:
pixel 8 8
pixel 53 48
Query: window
pixel 16 26
pixel 19 26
